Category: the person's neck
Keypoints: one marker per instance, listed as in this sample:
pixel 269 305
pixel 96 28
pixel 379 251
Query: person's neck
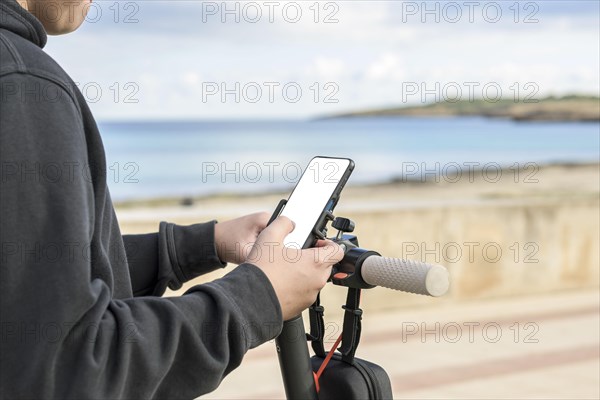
pixel 24 4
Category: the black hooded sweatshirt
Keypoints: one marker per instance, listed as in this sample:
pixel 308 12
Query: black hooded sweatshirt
pixel 80 306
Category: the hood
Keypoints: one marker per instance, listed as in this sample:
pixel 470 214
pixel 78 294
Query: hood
pixel 16 19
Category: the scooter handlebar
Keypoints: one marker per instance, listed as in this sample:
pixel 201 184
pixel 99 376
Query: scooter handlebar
pixel 406 275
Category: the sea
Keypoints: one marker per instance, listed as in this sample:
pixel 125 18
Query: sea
pixel 174 159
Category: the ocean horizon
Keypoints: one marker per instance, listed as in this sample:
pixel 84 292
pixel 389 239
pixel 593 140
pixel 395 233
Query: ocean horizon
pixel 164 159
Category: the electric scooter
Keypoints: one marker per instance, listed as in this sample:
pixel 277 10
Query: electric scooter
pixel 359 269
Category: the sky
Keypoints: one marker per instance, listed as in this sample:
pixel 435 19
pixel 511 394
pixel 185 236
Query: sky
pixel 167 60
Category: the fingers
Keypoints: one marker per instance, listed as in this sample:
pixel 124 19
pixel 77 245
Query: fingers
pixel 327 253
pixel 323 243
pixel 280 228
pixel 326 275
pixel 261 220
pixel 337 253
pixel 333 253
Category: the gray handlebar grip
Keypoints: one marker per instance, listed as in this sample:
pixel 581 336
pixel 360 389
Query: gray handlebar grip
pixel 406 275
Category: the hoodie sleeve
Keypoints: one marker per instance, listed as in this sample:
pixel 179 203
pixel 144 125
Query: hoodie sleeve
pixel 171 257
pixel 63 333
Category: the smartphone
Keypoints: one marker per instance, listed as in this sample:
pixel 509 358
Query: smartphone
pixel 317 191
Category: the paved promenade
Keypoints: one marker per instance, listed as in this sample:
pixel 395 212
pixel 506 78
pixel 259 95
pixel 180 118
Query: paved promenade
pixel 529 347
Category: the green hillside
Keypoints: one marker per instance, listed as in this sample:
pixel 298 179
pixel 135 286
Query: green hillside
pixel 567 108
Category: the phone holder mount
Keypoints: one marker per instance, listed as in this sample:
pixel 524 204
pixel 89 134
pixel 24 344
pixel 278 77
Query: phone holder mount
pixel 345 273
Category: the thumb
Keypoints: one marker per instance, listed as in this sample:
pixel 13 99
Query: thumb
pixel 279 228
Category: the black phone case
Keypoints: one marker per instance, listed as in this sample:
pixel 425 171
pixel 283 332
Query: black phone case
pixel 319 231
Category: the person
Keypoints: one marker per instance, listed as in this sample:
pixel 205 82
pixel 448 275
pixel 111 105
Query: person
pixel 81 311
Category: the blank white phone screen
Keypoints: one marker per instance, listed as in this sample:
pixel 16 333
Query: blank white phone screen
pixel 309 198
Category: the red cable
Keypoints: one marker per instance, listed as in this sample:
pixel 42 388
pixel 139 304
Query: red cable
pixel 328 358
pixel 326 361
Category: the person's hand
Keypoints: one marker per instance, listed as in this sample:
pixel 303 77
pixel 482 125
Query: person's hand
pixel 296 275
pixel 234 239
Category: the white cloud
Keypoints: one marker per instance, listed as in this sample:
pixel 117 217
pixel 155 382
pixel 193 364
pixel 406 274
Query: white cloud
pixel 191 78
pixel 327 68
pixel 387 67
pixel 369 53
